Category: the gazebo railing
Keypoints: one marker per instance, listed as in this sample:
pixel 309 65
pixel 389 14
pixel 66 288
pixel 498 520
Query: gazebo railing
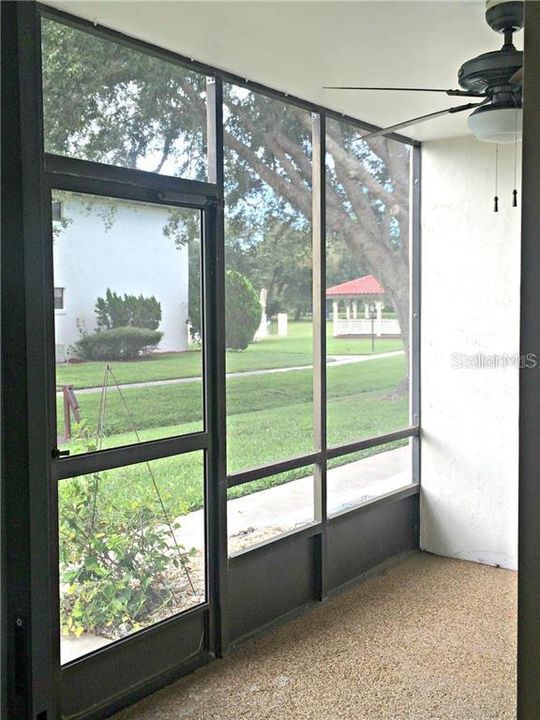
pixel 363 326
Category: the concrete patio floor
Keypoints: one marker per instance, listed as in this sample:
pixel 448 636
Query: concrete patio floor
pixel 428 639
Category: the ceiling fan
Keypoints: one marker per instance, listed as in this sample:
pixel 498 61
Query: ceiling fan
pixel 495 77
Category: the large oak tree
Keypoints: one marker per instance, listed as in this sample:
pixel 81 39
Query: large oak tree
pixel 107 102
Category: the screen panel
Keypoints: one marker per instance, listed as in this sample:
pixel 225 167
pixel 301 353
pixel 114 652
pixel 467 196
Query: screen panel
pixel 132 550
pixel 110 103
pixel 266 509
pixel 368 282
pixel 269 262
pixel 128 322
pixel 362 477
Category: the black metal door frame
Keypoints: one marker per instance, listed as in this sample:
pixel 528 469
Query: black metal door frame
pixel 32 681
pixel 194 637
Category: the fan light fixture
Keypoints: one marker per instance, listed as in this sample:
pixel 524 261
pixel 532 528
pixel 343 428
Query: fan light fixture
pixel 497 124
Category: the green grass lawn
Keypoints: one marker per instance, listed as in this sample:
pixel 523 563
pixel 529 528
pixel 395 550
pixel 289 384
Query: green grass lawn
pixel 272 352
pixel 269 418
pixel 162 406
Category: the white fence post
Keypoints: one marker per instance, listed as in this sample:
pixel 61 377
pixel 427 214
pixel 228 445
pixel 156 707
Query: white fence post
pixel 282 328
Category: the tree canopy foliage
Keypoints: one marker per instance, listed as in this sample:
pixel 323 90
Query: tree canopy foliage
pixel 107 102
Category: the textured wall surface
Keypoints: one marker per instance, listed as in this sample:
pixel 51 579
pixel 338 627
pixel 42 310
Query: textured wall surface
pixel 470 313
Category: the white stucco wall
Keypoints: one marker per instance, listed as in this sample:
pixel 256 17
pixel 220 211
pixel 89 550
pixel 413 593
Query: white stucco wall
pixel 125 251
pixel 470 305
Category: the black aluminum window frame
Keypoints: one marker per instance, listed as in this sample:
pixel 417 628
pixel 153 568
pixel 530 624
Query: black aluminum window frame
pixel 48 172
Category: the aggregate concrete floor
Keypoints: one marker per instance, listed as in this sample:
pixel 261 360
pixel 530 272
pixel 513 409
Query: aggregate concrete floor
pixel 430 639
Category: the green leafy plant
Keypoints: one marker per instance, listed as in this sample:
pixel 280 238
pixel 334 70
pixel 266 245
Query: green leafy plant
pixel 113 559
pixel 242 311
pixel 115 311
pixel 120 343
pixel 194 290
pixel 116 553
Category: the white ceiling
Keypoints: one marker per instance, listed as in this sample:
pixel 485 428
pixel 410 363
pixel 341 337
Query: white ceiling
pixel 298 47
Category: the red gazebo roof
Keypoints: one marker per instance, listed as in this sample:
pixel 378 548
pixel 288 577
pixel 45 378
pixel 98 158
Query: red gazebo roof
pixel 366 285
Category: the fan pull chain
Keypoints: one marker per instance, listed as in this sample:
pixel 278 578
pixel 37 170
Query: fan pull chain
pixel 514 191
pixel 496 198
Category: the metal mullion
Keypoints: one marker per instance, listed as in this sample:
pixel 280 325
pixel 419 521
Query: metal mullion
pixel 15 491
pixel 216 470
pixel 319 302
pixel 415 339
pixel 264 471
pixel 319 339
pixel 340 450
pixel 104 32
pixel 111 458
pixel 45 617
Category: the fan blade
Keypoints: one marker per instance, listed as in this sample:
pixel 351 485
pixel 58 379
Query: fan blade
pixel 421 118
pixel 453 93
pixel 517 77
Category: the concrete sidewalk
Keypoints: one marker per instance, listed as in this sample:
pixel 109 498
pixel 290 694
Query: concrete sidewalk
pixel 289 506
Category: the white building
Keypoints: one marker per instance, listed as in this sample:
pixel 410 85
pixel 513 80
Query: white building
pixel 101 244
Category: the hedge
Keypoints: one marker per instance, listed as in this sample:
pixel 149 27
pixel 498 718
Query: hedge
pixel 123 343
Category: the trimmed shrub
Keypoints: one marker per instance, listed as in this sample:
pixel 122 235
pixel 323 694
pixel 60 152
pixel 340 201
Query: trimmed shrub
pixel 242 311
pixel 115 311
pixel 194 290
pixel 122 343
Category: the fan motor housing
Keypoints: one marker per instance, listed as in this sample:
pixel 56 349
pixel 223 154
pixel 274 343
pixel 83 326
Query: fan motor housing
pixel 504 15
pixel 490 70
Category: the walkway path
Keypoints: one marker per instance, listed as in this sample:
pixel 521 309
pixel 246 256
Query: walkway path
pixel 333 360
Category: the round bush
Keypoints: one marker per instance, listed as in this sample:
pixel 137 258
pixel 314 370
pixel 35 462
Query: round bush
pixel 242 311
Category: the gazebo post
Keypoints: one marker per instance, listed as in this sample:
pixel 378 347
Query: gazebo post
pixel 355 309
pixel 379 317
pixel 335 317
pixel 366 310
pixel 348 308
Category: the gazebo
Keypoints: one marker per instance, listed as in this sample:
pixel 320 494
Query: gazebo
pixel 365 290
